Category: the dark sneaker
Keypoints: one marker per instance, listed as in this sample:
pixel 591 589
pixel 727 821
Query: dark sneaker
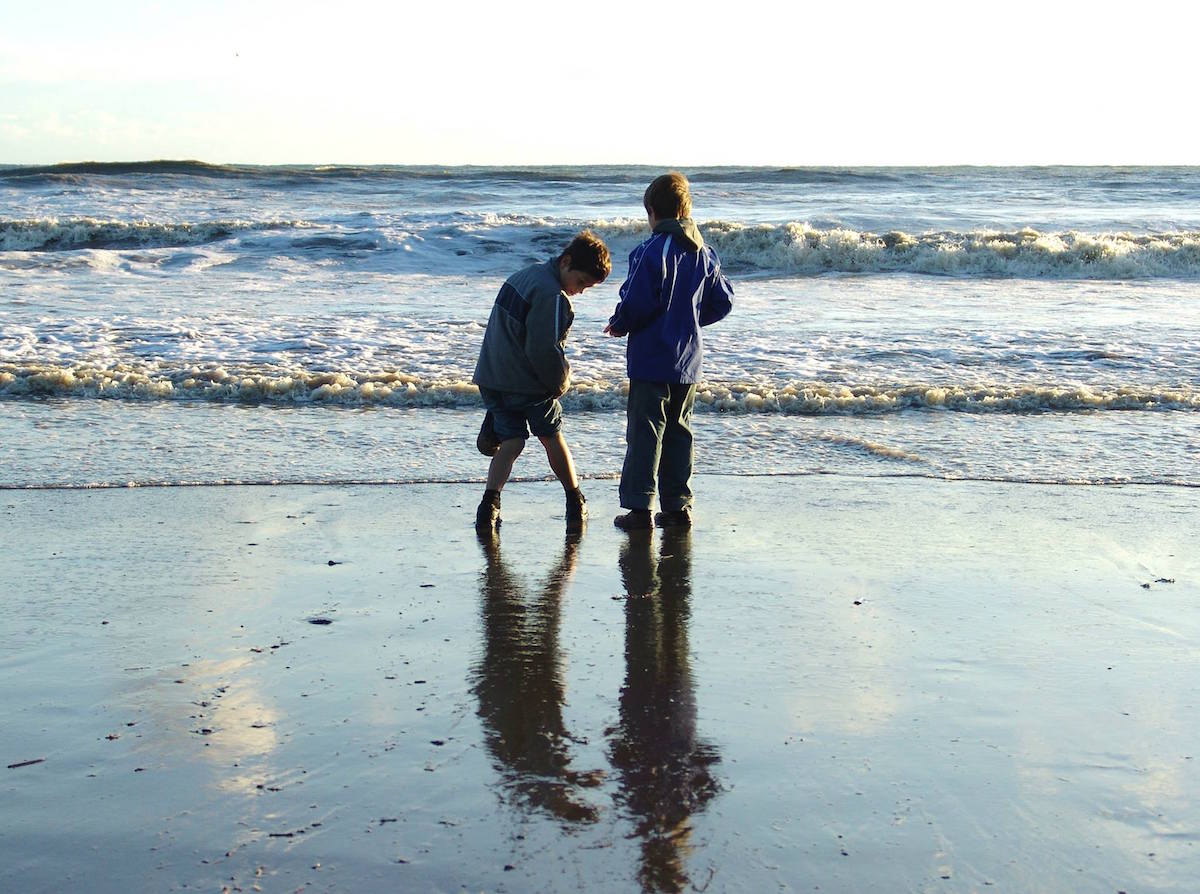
pixel 634 520
pixel 577 513
pixel 487 517
pixel 487 441
pixel 674 518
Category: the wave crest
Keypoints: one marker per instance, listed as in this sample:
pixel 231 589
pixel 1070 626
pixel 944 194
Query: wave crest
pixel 52 234
pixel 789 249
pixel 398 389
pixel 1026 253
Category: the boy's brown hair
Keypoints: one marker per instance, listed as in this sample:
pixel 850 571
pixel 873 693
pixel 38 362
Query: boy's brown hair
pixel 588 253
pixel 669 195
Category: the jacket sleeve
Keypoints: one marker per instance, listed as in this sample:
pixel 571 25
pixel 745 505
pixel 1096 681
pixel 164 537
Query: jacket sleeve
pixel 545 336
pixel 641 293
pixel 717 300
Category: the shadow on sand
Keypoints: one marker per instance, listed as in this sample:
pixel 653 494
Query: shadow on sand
pixel 661 768
pixel 519 684
pixel 664 770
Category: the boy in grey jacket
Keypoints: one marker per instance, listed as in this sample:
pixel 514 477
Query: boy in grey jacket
pixel 522 371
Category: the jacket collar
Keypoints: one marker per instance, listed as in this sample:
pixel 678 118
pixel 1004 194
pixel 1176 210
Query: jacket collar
pixel 682 228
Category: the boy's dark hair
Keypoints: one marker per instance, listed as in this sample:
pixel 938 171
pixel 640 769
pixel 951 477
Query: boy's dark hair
pixel 669 195
pixel 588 253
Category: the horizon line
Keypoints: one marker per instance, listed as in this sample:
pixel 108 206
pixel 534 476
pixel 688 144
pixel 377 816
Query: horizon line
pixel 180 160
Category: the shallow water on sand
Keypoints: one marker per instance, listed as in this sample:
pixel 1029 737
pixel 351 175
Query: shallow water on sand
pixel 894 685
pixel 119 443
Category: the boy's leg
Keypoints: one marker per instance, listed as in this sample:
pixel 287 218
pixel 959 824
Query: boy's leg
pixel 510 430
pixel 645 421
pixel 545 421
pixel 561 462
pixel 502 463
pixel 675 467
pixel 487 516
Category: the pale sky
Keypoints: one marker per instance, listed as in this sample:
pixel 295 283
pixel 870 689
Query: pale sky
pixel 740 82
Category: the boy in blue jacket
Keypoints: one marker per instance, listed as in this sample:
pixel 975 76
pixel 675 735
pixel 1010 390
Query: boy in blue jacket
pixel 522 372
pixel 675 286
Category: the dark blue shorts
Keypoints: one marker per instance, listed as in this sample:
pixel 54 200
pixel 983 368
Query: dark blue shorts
pixel 516 415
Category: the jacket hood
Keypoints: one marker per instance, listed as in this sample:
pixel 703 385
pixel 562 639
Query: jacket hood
pixel 682 228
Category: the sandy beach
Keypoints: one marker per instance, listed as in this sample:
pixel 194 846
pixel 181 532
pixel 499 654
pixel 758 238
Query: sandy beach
pixel 832 683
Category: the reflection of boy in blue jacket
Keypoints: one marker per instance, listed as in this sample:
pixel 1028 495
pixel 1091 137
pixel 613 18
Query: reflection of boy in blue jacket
pixel 674 287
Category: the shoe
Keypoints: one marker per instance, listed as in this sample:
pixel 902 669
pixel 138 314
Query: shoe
pixel 487 517
pixel 674 518
pixel 577 513
pixel 634 520
pixel 487 441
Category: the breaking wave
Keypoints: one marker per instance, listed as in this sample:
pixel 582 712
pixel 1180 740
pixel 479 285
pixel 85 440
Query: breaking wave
pixel 154 382
pixel 798 248
pixel 792 249
pixel 52 234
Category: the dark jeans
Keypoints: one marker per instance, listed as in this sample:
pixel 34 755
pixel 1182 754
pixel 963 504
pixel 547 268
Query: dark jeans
pixel 658 445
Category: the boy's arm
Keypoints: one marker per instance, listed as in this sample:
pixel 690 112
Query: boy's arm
pixel 717 300
pixel 641 294
pixel 545 334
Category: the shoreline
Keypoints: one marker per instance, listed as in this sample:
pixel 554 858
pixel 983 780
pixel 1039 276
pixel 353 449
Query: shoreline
pixel 601 478
pixel 852 683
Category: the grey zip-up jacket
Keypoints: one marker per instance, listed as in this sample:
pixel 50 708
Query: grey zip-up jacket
pixel 523 346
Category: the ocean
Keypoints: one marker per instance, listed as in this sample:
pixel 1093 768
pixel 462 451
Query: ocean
pixel 172 323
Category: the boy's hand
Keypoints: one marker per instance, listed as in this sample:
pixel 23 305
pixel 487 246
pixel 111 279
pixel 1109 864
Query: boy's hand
pixel 563 387
pixel 615 333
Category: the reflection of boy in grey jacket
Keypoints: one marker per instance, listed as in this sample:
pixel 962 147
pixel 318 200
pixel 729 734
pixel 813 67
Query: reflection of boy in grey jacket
pixel 522 371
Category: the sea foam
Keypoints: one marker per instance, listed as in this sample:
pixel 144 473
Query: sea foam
pixel 221 383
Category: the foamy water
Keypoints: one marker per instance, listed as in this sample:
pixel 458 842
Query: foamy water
pixel 177 323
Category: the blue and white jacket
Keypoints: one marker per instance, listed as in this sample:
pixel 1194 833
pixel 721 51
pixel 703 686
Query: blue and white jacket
pixel 675 286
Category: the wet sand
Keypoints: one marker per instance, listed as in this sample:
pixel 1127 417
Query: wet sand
pixel 831 683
